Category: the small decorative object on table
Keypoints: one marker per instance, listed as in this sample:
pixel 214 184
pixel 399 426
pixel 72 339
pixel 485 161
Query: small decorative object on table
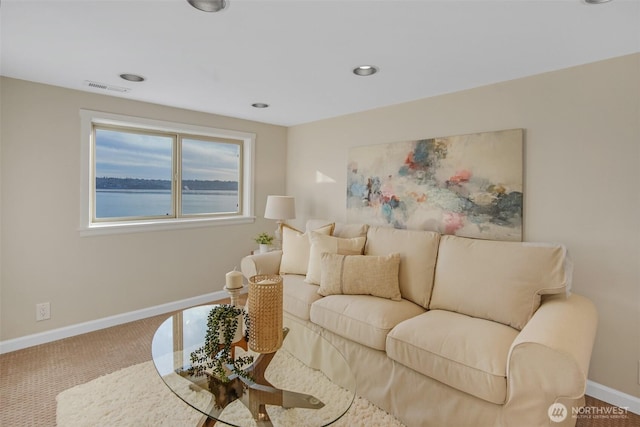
pixel 224 329
pixel 265 313
pixel 233 285
pixel 264 240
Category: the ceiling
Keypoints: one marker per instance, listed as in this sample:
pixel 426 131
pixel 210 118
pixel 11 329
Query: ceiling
pixel 298 55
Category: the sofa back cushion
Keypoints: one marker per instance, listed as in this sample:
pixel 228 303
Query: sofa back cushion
pixel 341 229
pixel 418 250
pixel 499 281
pixel 350 230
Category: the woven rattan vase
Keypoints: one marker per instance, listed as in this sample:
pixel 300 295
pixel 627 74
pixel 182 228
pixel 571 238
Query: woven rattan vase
pixel 265 313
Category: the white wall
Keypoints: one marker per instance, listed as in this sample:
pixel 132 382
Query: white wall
pixel 88 278
pixel 582 176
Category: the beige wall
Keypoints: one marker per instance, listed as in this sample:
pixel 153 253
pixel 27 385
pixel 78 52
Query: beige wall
pixel 88 278
pixel 582 177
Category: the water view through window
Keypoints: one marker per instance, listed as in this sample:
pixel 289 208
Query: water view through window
pixel 134 170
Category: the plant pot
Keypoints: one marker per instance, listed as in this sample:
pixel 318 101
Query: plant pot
pixel 237 336
pixel 264 248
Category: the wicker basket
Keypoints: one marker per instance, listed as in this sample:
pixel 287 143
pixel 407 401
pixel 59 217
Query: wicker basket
pixel 265 313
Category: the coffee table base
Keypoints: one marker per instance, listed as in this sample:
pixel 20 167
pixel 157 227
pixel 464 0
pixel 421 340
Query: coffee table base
pixel 260 392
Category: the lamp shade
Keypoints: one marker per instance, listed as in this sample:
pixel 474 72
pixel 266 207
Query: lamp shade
pixel 280 207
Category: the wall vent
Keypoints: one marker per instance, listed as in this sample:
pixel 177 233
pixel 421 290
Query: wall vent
pixel 104 86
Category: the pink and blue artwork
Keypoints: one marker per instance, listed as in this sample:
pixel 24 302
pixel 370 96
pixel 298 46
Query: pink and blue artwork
pixel 467 185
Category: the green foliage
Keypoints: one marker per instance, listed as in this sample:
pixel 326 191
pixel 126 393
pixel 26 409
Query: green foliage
pixel 112 183
pixel 264 239
pixel 216 355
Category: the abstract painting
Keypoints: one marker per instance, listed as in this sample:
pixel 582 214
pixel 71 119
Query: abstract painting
pixel 467 185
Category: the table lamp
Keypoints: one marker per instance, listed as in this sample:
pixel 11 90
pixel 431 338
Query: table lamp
pixel 280 208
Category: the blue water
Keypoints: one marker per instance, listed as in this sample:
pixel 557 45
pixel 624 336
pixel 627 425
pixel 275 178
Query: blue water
pixel 136 203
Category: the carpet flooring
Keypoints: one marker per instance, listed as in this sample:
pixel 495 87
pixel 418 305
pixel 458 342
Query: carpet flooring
pixel 136 396
pixel 30 379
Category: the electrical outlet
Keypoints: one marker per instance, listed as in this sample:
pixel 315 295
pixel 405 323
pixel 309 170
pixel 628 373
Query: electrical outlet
pixel 43 311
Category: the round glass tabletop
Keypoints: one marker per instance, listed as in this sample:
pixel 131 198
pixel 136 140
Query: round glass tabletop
pixel 307 382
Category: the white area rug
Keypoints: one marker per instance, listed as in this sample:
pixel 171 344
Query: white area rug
pixel 137 396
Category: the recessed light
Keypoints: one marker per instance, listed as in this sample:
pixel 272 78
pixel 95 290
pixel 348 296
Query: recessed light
pixel 365 70
pixel 260 105
pixel 132 77
pixel 209 5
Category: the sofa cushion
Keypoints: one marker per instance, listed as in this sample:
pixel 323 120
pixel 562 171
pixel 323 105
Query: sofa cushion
pixel 297 295
pixel 418 251
pixel 296 247
pixel 500 281
pixel 360 275
pixel 362 318
pixel 466 353
pixel 350 230
pixel 340 229
pixel 336 245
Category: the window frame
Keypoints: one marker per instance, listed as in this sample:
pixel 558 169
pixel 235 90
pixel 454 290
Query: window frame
pixel 88 224
pixel 180 167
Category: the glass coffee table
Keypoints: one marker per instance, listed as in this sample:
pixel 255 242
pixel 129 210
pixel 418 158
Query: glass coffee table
pixel 307 382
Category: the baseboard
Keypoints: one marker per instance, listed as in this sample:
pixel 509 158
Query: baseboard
pixel 106 322
pixel 613 396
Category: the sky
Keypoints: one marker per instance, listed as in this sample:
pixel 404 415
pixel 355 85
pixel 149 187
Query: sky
pixel 132 155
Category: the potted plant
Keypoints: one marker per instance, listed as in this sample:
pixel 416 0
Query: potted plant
pixel 264 240
pixel 224 327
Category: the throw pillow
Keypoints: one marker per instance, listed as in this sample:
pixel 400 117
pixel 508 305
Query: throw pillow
pixel 336 245
pixel 296 247
pixel 360 275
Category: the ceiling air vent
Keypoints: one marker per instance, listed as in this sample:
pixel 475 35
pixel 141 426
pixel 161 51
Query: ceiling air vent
pixel 104 86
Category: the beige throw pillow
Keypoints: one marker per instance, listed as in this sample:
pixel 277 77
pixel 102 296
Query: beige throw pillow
pixel 296 247
pixel 336 245
pixel 360 275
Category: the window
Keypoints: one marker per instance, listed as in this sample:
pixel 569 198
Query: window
pixel 144 174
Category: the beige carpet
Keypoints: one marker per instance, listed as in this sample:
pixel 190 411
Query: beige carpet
pixel 136 396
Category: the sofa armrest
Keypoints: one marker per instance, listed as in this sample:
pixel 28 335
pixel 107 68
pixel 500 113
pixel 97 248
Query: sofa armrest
pixel 549 360
pixel 266 263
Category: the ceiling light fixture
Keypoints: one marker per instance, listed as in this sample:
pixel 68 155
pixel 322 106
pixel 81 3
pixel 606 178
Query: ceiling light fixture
pixel 365 70
pixel 260 105
pixel 596 1
pixel 132 77
pixel 209 5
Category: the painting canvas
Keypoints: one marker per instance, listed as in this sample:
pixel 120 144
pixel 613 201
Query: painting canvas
pixel 467 185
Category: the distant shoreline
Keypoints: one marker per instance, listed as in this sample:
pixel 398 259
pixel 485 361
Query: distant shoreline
pixel 110 183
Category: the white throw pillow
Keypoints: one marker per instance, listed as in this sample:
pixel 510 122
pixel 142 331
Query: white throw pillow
pixel 360 275
pixel 336 245
pixel 296 247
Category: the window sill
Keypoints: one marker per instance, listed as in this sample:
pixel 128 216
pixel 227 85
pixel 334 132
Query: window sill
pixel 160 225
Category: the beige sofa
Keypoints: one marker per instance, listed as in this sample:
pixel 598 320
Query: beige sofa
pixel 470 332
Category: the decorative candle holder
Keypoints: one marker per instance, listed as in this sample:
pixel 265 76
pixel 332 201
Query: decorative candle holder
pixel 233 285
pixel 234 293
pixel 265 313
